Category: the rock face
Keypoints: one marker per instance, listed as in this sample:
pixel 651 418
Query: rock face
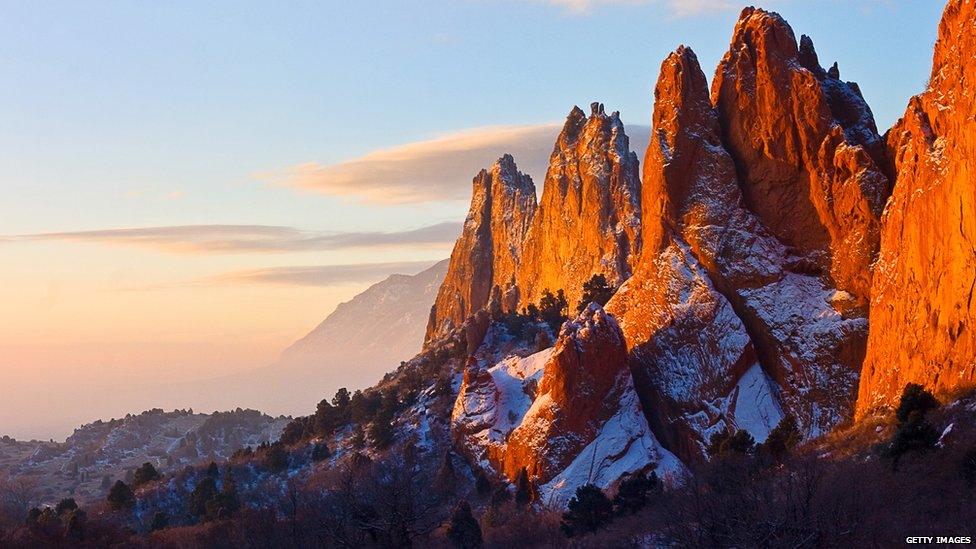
pixel 922 310
pixel 807 148
pixel 487 253
pixel 589 215
pixel 568 414
pixel 760 223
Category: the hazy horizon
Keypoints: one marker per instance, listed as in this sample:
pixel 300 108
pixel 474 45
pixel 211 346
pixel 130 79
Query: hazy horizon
pixel 193 188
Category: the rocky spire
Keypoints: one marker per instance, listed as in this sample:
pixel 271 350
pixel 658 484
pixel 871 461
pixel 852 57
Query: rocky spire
pixel 922 310
pixel 486 255
pixel 806 147
pixel 589 214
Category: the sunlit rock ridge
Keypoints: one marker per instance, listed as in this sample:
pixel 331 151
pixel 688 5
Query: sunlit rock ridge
pixel 770 222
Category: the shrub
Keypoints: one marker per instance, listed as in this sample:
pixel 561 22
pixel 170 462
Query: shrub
pixel 552 309
pixel 588 511
pixel 915 399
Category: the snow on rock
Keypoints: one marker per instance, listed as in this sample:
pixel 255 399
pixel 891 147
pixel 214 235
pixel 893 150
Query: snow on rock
pixel 568 414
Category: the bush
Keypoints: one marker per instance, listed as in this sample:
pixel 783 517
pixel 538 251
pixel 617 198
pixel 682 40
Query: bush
pixel 588 511
pixel 914 435
pixel 553 309
pixel 915 399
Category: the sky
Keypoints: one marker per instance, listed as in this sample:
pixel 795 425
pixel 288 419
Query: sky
pixel 189 187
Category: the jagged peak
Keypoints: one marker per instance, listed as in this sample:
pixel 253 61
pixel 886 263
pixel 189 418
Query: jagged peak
pixel 764 32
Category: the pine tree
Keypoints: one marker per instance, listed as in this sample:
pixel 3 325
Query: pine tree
pixel 144 474
pixel 588 511
pixel 464 531
pixel 523 488
pixel 726 442
pixel 552 309
pixel 783 438
pixel 203 492
pixel 159 521
pixel 595 290
pixel 915 399
pixel 320 452
pixel 121 496
pixel 632 496
pixel 65 505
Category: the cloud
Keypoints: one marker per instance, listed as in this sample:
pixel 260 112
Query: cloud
pixel 252 238
pixel 680 8
pixel 318 275
pixel 439 169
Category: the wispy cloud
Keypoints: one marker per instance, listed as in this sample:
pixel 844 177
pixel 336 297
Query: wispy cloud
pixel 318 275
pixel 434 170
pixel 680 8
pixel 252 238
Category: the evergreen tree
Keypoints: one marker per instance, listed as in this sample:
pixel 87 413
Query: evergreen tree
pixel 203 492
pixel 65 505
pixel 276 458
pixel 341 399
pixel 632 496
pixel 595 290
pixel 212 471
pixel 121 496
pixel 968 466
pixel 553 309
pixel 725 442
pixel 588 511
pixel 74 525
pixel 159 521
pixel 144 474
pixel 523 488
pixel 464 531
pixel 320 452
pixel 481 482
pixel 783 438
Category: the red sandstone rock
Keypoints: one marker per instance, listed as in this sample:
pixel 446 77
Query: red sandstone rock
pixel 486 255
pixel 922 310
pixel 589 215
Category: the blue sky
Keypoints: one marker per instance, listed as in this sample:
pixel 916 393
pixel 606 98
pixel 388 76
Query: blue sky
pixel 126 125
